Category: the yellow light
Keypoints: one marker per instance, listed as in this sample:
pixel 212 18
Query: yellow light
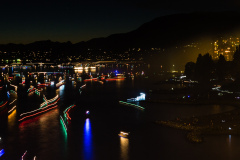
pixel 124 142
pixel 12 117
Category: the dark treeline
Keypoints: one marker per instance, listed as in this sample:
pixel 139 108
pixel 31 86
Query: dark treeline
pixel 205 70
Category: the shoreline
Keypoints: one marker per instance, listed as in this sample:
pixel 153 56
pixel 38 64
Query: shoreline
pixel 226 123
pixel 196 102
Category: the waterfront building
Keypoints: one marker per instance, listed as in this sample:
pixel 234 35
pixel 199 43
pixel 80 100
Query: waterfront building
pixel 225 47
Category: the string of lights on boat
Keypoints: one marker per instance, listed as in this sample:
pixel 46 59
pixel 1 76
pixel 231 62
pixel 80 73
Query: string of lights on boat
pixel 63 122
pixel 45 106
pixel 47 102
pixel 137 99
pixel 24 155
pixel 80 91
pixel 11 110
pixel 14 92
pixel 66 112
pixel 14 86
pixel 131 104
pixel 12 101
pixel 60 83
pixel 3 104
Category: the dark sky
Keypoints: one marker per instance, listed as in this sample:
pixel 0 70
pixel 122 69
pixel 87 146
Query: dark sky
pixel 25 21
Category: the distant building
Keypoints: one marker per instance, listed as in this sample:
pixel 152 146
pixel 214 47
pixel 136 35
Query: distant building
pixel 225 47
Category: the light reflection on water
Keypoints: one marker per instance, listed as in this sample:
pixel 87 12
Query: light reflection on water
pixel 12 119
pixel 60 91
pixel 42 137
pixel 87 141
pixel 124 143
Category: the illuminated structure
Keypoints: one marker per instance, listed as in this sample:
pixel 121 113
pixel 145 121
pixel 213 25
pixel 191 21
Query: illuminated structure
pixel 138 98
pixel 225 47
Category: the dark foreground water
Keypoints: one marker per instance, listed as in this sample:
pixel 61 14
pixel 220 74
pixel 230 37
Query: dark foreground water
pixel 97 138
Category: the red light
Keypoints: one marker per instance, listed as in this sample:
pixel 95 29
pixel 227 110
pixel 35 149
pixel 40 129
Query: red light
pixel 4 104
pixel 37 113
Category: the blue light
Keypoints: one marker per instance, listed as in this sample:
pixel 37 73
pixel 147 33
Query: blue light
pixel 188 96
pixel 2 152
pixel 8 94
pixel 87 142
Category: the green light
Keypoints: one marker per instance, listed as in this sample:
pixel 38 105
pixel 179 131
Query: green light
pixel 63 126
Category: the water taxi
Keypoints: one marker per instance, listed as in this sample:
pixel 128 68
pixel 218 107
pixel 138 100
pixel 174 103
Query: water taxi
pixel 124 134
pixel 87 113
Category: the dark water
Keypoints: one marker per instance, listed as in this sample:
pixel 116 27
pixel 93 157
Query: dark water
pixel 96 138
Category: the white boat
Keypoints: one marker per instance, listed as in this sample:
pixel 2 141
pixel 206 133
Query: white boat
pixel 124 134
pixel 120 76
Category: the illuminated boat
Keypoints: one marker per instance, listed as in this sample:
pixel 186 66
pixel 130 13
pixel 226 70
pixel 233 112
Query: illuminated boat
pixel 117 77
pixel 124 134
pixel 87 113
pixel 44 107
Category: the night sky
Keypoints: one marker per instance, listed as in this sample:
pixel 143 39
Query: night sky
pixel 71 20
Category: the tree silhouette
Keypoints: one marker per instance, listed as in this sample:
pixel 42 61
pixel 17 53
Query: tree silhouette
pixel 236 64
pixel 189 70
pixel 204 68
pixel 221 68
